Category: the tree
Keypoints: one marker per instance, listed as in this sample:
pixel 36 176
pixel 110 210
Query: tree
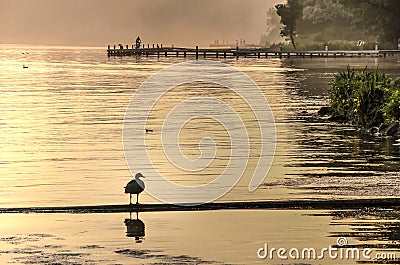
pixel 324 11
pixel 322 21
pixel 273 25
pixel 289 13
pixel 380 18
pixel 272 20
pixel 325 21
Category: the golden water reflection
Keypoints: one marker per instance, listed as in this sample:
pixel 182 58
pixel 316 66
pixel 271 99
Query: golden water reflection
pixel 61 122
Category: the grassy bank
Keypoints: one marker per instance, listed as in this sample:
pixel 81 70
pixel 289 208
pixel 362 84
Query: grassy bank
pixel 341 45
pixel 366 98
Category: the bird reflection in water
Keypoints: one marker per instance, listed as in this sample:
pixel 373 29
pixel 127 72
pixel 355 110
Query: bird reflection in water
pixel 135 228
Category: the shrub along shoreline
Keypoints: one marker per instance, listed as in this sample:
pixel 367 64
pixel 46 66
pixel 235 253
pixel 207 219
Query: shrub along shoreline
pixel 367 99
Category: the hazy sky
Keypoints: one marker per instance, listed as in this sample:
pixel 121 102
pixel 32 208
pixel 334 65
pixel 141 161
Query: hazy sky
pixel 100 22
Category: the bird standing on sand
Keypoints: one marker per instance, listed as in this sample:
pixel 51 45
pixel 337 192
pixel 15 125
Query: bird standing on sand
pixel 135 186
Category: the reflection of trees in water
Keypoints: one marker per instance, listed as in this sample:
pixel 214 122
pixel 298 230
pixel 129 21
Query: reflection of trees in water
pixel 377 229
pixel 374 228
pixel 330 158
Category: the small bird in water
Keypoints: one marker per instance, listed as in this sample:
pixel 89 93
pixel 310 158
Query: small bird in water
pixel 149 130
pixel 135 186
pixel 25 67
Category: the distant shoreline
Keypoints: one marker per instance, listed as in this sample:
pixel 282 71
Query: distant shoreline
pixel 54 46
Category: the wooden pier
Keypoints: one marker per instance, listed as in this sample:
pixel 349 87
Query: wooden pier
pixel 201 53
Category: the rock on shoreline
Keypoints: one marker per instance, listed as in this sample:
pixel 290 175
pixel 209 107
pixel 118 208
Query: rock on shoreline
pixel 391 130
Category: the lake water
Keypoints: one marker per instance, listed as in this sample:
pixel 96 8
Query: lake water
pixel 61 144
pixel 61 129
pixel 219 237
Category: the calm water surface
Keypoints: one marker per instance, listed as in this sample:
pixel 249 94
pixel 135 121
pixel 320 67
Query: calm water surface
pixel 61 144
pixel 61 126
pixel 221 237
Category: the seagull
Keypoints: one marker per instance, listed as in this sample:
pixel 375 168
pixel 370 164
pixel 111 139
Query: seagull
pixel 135 186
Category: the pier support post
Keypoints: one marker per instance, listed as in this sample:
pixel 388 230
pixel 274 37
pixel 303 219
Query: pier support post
pixel 197 52
pixel 237 52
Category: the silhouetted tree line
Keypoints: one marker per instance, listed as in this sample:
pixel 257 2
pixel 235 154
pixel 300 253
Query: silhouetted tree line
pixel 373 20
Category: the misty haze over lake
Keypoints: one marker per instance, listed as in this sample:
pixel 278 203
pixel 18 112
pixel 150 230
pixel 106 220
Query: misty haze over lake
pixel 101 22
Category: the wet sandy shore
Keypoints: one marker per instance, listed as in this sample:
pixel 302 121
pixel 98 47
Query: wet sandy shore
pixel 204 237
pixel 272 205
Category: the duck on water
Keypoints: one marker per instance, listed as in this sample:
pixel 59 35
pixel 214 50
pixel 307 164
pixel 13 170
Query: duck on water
pixel 135 186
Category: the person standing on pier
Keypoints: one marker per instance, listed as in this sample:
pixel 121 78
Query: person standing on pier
pixel 138 41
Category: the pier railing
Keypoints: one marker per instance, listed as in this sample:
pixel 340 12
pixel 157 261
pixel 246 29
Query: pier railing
pixel 197 52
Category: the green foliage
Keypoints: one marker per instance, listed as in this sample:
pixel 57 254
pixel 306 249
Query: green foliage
pixel 306 44
pixel 289 13
pixel 391 110
pixel 380 18
pixel 365 98
pixel 324 11
pixel 323 21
